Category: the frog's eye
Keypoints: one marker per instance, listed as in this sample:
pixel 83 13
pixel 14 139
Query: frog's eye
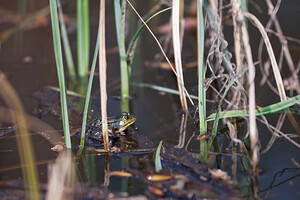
pixel 122 123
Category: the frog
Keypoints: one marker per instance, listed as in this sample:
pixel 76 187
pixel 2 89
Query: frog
pixel 116 129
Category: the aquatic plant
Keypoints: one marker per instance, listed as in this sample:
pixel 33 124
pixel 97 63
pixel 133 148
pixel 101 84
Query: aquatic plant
pixel 25 147
pixel 60 71
pixel 232 84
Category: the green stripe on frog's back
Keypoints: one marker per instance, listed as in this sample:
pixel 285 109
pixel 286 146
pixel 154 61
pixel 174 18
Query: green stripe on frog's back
pixel 118 123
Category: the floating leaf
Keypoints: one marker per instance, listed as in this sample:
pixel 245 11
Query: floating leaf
pixel 158 177
pixel 120 173
pixel 156 191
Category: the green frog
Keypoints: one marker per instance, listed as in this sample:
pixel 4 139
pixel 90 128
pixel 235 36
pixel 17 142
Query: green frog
pixel 116 129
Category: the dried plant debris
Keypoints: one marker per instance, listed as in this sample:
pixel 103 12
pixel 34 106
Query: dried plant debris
pixel 182 177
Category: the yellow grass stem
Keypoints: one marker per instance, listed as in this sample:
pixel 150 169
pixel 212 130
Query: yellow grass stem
pixel 275 67
pixel 102 72
pixel 27 156
pixel 177 52
pixel 271 55
pixel 251 91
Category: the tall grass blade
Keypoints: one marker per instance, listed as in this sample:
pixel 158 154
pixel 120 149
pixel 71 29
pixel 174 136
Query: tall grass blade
pixel 201 70
pixel 217 114
pixel 275 67
pixel 83 37
pixel 26 153
pixel 102 71
pixel 271 109
pixel 251 92
pixel 177 52
pixel 66 43
pixel 88 94
pixel 244 7
pixel 60 71
pixel 161 89
pixel 120 13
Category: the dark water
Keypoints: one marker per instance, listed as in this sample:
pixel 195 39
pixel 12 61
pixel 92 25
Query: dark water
pixel 158 116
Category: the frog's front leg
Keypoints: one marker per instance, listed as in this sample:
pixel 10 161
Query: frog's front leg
pixel 112 131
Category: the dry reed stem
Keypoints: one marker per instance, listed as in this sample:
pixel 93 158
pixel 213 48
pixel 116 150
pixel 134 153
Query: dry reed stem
pixel 284 44
pixel 161 48
pixel 102 73
pixel 177 52
pixel 237 39
pixel 275 135
pixel 280 133
pixel 251 83
pixel 275 68
pixel 213 6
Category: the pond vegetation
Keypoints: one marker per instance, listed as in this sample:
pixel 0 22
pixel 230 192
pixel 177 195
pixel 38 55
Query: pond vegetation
pixel 215 101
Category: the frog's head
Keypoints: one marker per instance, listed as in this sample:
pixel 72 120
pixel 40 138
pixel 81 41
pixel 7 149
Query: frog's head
pixel 126 120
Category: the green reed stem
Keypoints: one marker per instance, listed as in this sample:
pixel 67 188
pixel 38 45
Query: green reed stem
pixel 244 6
pixel 120 13
pixel 216 122
pixel 88 94
pixel 201 71
pixel 66 43
pixel 60 71
pixel 83 37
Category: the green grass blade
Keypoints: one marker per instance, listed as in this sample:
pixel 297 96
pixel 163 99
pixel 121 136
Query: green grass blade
pixel 60 71
pixel 83 38
pixel 244 6
pixel 66 43
pixel 161 89
pixel 158 166
pixel 120 12
pixel 25 145
pixel 216 122
pixel 88 94
pixel 201 71
pixel 132 45
pixel 274 108
pixel 231 82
